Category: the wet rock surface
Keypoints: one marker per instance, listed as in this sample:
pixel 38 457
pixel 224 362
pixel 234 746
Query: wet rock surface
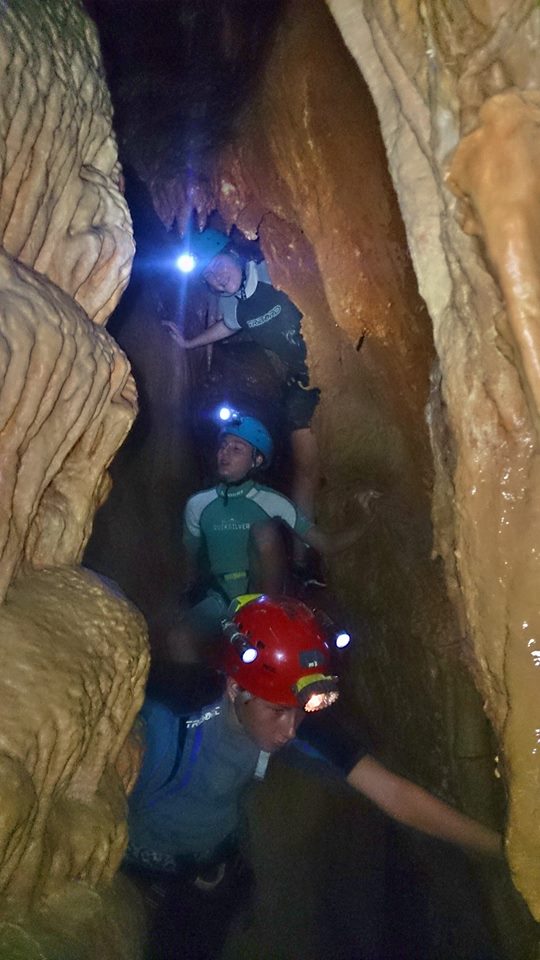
pixel 446 79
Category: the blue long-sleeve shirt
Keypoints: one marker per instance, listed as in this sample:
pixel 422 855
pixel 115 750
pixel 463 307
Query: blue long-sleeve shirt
pixel 185 805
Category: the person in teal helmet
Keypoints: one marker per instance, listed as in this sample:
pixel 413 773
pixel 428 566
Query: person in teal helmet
pixel 248 302
pixel 235 529
pixel 254 432
pixel 200 250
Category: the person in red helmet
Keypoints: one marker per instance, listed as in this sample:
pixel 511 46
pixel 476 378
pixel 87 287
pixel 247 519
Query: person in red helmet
pixel 280 687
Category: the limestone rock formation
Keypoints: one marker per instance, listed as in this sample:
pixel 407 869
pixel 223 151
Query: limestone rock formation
pixel 67 400
pixel 436 75
pixel 494 172
pixel 75 661
pixel 73 649
pixel 62 212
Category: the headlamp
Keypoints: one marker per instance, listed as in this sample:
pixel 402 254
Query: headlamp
pixel 225 414
pixel 319 701
pixel 245 650
pixel 186 262
pixel 340 638
pixel 316 691
pixel 228 415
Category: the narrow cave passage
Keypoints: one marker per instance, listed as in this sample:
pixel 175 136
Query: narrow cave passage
pixel 266 143
pixel 360 888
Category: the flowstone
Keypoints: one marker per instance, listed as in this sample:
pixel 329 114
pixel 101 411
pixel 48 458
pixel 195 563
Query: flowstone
pixel 74 650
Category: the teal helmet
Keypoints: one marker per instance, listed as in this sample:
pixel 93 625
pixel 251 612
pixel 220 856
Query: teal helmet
pixel 201 248
pixel 253 432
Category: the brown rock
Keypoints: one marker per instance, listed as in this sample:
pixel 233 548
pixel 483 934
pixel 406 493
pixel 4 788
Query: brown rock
pixel 75 662
pixel 62 212
pixel 73 650
pixel 67 400
pixel 433 78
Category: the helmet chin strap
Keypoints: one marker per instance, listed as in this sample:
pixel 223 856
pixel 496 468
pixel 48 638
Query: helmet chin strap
pixel 238 483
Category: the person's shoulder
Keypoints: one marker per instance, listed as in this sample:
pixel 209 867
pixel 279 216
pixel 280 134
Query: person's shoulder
pixel 274 504
pixel 202 498
pixel 264 488
pixel 262 492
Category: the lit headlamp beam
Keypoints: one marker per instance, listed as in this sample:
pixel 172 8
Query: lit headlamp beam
pixel 186 262
pixel 319 701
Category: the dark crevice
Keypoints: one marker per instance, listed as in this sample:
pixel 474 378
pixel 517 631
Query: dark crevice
pixel 180 75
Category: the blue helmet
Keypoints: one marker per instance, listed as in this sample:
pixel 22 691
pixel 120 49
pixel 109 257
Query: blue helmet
pixel 253 432
pixel 204 246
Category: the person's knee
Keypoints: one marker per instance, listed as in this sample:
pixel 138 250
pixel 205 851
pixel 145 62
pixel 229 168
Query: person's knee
pixel 181 644
pixel 264 536
pixel 198 627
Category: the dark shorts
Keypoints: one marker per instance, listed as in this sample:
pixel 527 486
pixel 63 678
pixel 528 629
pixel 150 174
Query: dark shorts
pixel 300 404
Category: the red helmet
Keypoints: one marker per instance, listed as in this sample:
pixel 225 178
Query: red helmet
pixel 277 650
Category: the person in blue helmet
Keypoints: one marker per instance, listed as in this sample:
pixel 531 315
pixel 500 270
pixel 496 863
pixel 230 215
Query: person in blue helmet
pixel 248 302
pixel 234 528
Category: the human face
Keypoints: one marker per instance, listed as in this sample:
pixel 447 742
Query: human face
pixel 235 459
pixel 223 275
pixel 269 725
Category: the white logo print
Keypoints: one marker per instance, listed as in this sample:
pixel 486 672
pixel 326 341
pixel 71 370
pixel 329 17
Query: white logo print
pixel 205 716
pixel 258 321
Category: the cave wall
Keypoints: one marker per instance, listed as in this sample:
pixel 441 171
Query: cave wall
pixel 429 409
pixel 308 175
pixel 454 87
pixel 74 650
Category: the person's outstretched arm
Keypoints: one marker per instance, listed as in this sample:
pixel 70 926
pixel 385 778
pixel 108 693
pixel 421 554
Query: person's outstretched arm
pixel 327 543
pixel 413 806
pixel 218 331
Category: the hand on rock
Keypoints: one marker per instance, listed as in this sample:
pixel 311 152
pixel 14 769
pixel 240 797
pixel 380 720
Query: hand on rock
pixel 175 334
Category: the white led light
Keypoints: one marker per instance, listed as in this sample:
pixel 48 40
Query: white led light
pixel 249 655
pixel 225 413
pixel 343 639
pixel 186 262
pixel 319 701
